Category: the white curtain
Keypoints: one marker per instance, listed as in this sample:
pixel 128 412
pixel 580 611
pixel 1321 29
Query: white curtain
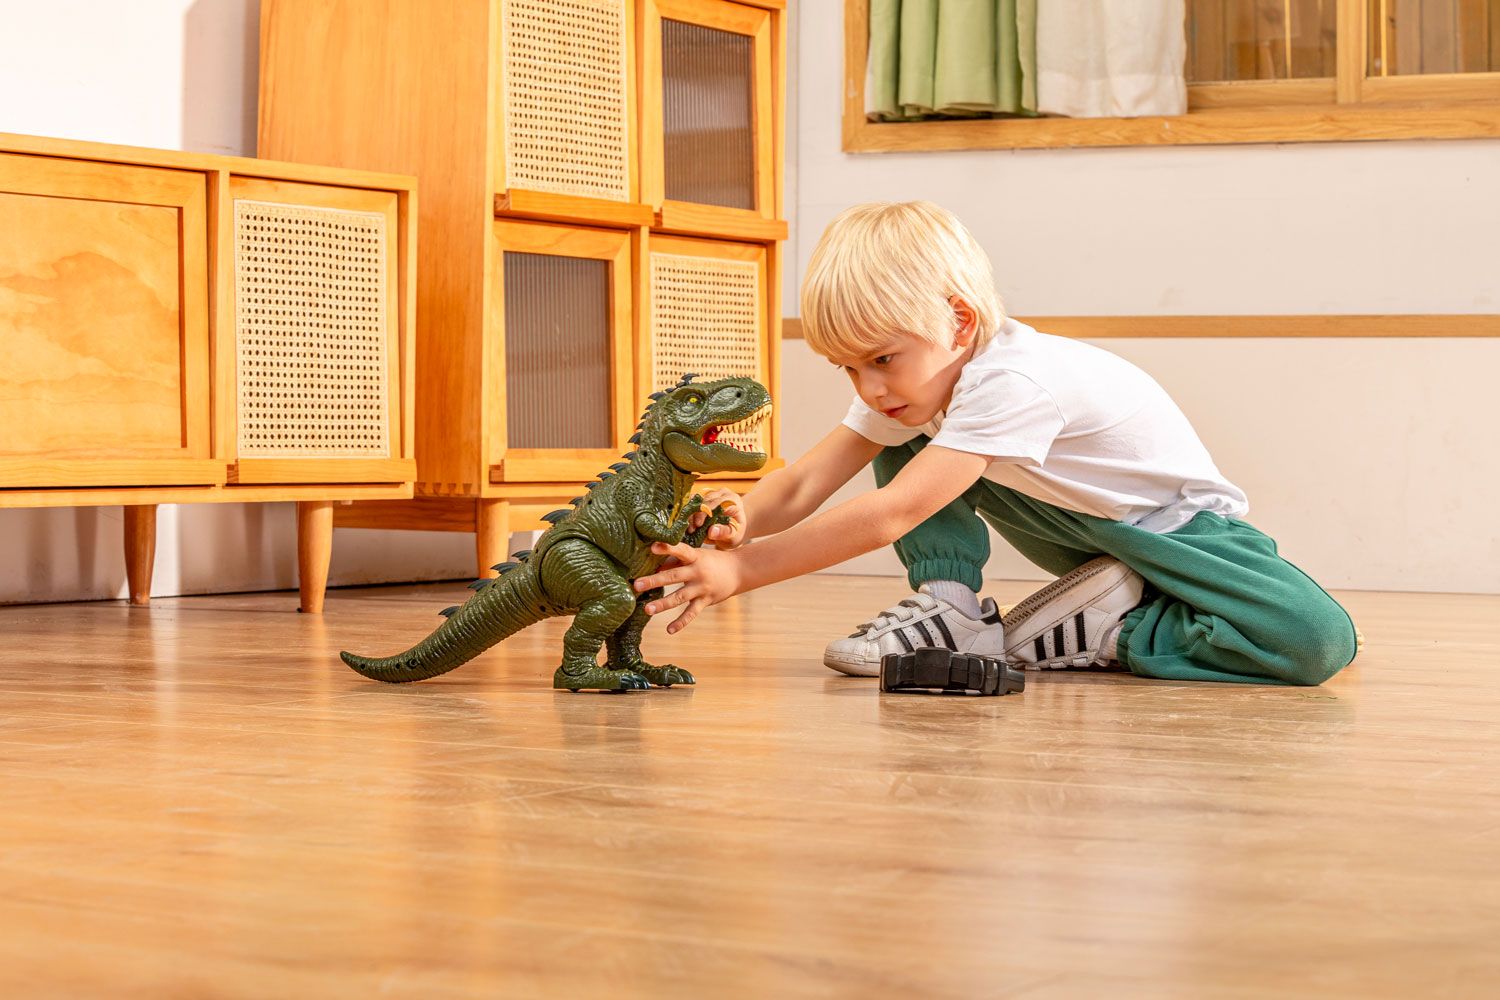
pixel 1111 58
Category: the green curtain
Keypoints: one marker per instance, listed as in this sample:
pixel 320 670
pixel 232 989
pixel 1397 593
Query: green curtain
pixel 952 58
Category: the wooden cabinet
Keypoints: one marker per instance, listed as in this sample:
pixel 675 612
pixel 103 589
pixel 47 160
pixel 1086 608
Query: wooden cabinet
pixel 601 212
pixel 178 328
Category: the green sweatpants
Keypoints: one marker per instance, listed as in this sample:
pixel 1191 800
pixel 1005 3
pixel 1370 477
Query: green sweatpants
pixel 1220 603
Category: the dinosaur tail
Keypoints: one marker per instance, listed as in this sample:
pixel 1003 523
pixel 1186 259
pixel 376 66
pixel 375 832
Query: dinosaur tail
pixel 501 608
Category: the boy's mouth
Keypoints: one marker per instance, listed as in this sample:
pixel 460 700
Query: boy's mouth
pixel 896 412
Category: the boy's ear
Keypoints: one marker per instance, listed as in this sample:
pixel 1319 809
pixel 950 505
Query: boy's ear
pixel 966 321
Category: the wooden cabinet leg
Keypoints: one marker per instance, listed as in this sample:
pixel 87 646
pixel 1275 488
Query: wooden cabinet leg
pixel 314 549
pixel 140 550
pixel 491 534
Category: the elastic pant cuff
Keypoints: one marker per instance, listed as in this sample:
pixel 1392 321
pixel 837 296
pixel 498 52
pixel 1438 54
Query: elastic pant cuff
pixel 965 573
pixel 1122 641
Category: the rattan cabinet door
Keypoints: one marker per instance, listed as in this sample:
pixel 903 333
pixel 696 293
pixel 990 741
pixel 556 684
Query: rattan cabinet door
pixel 708 313
pixel 312 369
pixel 561 403
pixel 567 98
pixel 104 370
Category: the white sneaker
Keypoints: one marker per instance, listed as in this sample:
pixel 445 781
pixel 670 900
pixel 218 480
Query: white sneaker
pixel 919 620
pixel 1072 621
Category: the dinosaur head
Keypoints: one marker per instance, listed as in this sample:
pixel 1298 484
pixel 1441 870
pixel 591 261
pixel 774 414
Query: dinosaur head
pixel 690 418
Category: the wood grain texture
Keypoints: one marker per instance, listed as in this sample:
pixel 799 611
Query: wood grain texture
pixel 103 311
pixel 200 800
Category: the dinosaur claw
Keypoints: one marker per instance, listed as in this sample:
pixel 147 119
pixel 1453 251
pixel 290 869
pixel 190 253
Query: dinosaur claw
pixel 593 677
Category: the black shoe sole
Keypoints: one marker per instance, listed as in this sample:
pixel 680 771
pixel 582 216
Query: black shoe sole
pixel 934 668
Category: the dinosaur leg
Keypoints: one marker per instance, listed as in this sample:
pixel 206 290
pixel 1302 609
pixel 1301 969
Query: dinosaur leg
pixel 576 574
pixel 625 648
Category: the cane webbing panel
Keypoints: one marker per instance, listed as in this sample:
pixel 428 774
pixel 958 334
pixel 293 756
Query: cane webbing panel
pixel 706 317
pixel 708 125
pixel 557 351
pixel 310 331
pixel 565 114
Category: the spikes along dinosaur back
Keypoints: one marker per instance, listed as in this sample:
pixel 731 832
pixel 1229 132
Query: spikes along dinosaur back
pixel 583 565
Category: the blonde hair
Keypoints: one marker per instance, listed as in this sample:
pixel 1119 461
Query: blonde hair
pixel 889 268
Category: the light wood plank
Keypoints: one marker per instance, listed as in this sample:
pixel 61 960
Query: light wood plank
pixel 572 208
pixel 245 166
pixel 107 496
pixel 323 470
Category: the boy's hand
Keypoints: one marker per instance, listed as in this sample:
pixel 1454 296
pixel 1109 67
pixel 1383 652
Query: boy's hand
pixel 723 536
pixel 708 577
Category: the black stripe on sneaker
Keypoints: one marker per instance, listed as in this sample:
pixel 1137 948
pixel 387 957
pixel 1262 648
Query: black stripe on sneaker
pixel 1058 638
pixel 947 636
pixel 901 634
pixel 926 635
pixel 1082 635
pixel 1041 649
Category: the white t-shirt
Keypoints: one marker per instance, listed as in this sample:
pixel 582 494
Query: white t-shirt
pixel 1073 426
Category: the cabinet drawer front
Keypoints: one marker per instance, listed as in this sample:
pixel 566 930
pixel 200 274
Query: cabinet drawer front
pixel 103 321
pixel 315 295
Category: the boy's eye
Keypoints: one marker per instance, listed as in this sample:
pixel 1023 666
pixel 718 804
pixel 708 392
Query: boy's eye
pixel 884 359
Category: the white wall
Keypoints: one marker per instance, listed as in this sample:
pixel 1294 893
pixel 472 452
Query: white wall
pixel 1371 461
pixel 171 74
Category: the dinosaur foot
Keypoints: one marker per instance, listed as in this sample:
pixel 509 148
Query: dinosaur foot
pixel 596 678
pixel 663 676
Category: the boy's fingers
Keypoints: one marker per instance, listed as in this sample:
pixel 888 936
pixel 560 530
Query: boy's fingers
pixel 667 603
pixel 686 618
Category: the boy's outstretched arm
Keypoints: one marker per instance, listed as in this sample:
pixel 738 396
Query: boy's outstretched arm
pixel 934 478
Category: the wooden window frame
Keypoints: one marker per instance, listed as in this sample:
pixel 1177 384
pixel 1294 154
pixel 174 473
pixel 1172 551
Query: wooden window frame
pixel 1350 106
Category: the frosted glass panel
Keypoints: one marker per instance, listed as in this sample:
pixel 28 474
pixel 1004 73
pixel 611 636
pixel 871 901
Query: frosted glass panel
pixel 707 115
pixel 557 384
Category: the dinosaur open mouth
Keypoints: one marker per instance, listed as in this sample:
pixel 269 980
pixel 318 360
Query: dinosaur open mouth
pixel 744 429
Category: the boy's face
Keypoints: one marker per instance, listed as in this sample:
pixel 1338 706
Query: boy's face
pixel 911 379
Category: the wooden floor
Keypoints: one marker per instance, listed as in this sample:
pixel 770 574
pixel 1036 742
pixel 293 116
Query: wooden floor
pixel 200 800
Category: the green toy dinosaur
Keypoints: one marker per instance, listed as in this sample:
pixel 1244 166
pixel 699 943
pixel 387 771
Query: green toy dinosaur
pixel 585 563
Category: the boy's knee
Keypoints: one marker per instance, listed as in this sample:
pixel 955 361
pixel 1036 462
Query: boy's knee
pixel 1316 642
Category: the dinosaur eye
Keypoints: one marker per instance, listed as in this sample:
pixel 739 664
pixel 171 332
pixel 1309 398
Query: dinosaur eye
pixel 695 400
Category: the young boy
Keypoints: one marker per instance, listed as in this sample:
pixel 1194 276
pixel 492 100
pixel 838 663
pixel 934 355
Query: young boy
pixel 1075 456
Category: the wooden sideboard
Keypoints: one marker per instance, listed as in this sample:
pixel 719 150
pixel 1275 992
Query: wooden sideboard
pixel 187 328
